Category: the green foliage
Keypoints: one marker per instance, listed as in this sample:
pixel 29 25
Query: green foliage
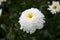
pixel 10 27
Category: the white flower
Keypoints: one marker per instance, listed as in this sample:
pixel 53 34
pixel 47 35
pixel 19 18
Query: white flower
pixel 1 1
pixel 31 19
pixel 0 12
pixel 55 7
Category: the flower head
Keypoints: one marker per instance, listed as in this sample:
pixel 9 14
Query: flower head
pixel 31 19
pixel 55 7
pixel 0 12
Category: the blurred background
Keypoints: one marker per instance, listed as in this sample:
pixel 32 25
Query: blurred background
pixel 10 27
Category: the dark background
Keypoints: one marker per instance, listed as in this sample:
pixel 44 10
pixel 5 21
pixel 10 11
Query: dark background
pixel 10 28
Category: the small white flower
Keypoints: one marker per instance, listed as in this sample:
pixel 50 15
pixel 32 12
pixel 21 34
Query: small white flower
pixel 31 19
pixel 55 7
pixel 0 12
pixel 1 1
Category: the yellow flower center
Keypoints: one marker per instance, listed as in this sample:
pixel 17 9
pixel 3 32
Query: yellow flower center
pixel 54 7
pixel 30 15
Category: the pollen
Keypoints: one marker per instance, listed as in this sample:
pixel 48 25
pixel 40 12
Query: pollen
pixel 30 15
pixel 54 7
